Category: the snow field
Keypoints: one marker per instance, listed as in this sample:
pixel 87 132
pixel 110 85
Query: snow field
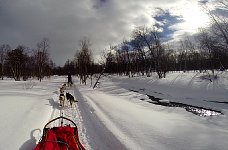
pixel 141 125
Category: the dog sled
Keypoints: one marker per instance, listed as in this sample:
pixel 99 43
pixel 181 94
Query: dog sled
pixel 60 138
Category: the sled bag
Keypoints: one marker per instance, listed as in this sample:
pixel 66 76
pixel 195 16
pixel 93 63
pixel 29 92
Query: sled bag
pixel 60 138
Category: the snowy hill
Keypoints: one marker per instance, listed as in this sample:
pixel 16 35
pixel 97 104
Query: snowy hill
pixel 121 113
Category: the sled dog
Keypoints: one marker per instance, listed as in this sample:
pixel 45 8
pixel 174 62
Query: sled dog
pixel 61 96
pixel 64 86
pixel 70 98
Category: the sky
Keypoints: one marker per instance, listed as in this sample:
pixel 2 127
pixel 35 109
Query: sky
pixel 104 22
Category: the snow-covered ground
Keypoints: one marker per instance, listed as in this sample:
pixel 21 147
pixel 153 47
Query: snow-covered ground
pixel 142 125
pixel 26 106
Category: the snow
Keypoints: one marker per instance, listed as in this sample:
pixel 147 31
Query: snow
pixel 26 106
pixel 182 87
pixel 164 101
pixel 121 104
pixel 141 125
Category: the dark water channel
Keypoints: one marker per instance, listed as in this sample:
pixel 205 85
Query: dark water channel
pixel 200 111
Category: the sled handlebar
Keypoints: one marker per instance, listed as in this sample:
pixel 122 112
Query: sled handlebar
pixel 61 117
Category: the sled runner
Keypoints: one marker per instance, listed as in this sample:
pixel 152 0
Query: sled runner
pixel 60 138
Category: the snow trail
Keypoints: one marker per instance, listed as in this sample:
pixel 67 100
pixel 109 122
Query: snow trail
pixel 69 112
pixel 98 136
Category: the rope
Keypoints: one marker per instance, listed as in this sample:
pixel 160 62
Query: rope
pixel 62 110
pixel 61 115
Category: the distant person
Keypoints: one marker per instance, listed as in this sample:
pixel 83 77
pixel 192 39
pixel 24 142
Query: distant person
pixel 69 79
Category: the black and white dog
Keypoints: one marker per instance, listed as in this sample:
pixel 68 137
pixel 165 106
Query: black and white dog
pixel 70 98
pixel 64 86
pixel 61 96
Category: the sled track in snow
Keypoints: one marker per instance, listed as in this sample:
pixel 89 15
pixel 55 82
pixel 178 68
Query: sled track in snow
pixel 67 111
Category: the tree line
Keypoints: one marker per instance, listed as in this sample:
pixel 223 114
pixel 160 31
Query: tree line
pixel 146 52
pixel 22 62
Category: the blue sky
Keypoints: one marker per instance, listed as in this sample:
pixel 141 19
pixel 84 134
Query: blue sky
pixel 105 22
pixel 164 20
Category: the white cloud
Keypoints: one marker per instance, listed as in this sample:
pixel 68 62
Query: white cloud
pixel 65 22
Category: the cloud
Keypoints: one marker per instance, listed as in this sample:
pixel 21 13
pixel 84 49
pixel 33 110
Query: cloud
pixel 65 22
pixel 220 12
pixel 165 20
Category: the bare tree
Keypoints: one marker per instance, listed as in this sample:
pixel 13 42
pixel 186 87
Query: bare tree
pixel 42 57
pixel 220 24
pixel 150 39
pixel 84 59
pixel 126 49
pixel 138 44
pixel 16 59
pixel 3 51
pixel 111 60
pixel 187 50
pixel 211 46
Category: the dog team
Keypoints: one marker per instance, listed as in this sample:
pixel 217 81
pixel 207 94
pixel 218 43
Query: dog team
pixel 68 96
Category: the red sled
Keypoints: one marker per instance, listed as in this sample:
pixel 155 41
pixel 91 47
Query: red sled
pixel 60 138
